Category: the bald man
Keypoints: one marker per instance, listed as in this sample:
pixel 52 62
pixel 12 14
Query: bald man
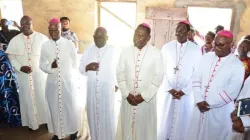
pixel 24 53
pixel 216 85
pixel 59 61
pixel 99 65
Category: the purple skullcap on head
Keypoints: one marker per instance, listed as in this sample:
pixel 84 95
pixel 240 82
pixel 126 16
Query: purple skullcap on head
pixel 54 21
pixel 226 33
pixel 145 25
pixel 185 22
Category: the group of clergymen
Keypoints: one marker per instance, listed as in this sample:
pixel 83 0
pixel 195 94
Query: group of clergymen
pixel 170 94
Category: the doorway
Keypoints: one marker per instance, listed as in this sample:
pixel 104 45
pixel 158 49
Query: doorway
pixel 119 18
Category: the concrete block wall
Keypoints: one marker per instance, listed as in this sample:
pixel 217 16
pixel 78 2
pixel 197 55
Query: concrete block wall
pixel 83 13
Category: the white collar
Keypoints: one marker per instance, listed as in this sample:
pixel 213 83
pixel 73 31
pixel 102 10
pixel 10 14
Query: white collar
pixel 30 36
pixel 144 48
pixel 178 44
pixel 100 49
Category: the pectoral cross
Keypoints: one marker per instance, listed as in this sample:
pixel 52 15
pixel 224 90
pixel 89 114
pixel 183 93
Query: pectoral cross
pixel 176 69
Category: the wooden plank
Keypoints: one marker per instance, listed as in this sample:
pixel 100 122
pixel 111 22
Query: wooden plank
pixel 160 32
pixel 232 20
pixel 166 13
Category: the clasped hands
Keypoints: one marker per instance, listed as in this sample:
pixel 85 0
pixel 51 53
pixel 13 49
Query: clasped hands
pixel 134 100
pixel 54 64
pixel 26 69
pixel 92 67
pixel 176 94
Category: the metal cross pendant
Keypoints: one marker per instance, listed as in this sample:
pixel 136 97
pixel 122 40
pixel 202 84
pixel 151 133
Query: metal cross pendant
pixel 176 69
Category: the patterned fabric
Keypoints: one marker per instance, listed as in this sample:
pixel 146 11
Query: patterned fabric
pixel 246 63
pixel 9 98
pixel 69 35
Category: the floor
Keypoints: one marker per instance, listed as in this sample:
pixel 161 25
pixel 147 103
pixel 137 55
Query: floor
pixel 22 133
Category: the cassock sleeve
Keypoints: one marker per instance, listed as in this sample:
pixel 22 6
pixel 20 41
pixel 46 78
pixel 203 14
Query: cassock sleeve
pixel 197 58
pixel 196 83
pixel 17 66
pixel 149 93
pixel 230 93
pixel 11 54
pixel 121 79
pixel 44 64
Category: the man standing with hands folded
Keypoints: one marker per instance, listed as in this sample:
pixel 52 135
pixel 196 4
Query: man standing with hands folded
pixel 59 61
pixel 139 77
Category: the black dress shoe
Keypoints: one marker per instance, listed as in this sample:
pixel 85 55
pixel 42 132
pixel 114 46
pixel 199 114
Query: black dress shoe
pixel 55 137
pixel 73 136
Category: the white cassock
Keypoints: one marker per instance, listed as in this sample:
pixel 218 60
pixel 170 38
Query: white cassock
pixel 245 119
pixel 25 51
pixel 101 91
pixel 218 82
pixel 139 71
pixel 64 113
pixel 174 114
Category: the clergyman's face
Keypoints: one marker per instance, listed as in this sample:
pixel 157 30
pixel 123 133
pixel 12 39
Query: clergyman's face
pixel 222 46
pixel 100 38
pixel 55 31
pixel 181 31
pixel 26 25
pixel 141 37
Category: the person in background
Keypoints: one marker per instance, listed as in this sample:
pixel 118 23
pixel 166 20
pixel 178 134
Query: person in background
pixel 191 35
pixel 241 125
pixel 6 34
pixel 244 55
pixel 67 33
pixel 208 47
pixel 9 97
pixel 219 28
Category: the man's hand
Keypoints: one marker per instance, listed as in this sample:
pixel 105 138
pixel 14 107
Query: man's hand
pixel 139 99
pixel 238 125
pixel 234 115
pixel 131 100
pixel 15 24
pixel 26 69
pixel 173 92
pixel 203 106
pixel 92 67
pixel 54 64
pixel 116 88
pixel 179 94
